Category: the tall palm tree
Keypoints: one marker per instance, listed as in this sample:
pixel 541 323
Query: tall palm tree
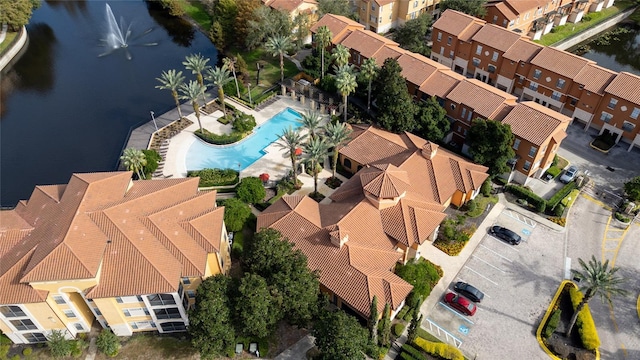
pixel 171 80
pixel 346 84
pixel 337 134
pixel 197 64
pixel 231 65
pixel 340 55
pixel 190 92
pixel 311 121
pixel 290 140
pixel 596 278
pixel 323 39
pixel 278 45
pixel 134 160
pixel 316 150
pixel 368 70
pixel 219 77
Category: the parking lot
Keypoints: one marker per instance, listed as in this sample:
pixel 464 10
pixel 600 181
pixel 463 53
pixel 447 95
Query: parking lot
pixel 518 282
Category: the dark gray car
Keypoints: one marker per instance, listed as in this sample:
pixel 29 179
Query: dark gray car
pixel 505 234
pixel 469 291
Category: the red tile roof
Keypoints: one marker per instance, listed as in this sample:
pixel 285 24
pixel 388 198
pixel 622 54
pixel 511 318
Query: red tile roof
pixel 484 99
pixel 456 23
pixel 417 68
pixel 367 43
pixel 560 62
pixel 535 123
pixel 523 50
pixel 496 37
pixel 595 78
pixel 441 83
pixel 337 24
pixel 625 86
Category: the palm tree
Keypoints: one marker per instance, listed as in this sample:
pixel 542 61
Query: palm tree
pixel 311 121
pixel 346 84
pixel 134 160
pixel 369 69
pixel 340 55
pixel 316 150
pixel 278 45
pixel 290 140
pixel 191 92
pixel 231 65
pixel 323 39
pixel 219 77
pixel 171 80
pixel 197 64
pixel 337 134
pixel 596 278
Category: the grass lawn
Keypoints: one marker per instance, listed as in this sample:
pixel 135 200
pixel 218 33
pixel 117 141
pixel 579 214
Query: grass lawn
pixel 196 10
pixel 562 32
pixel 481 205
pixel 562 162
pixel 7 41
pixel 270 73
pixel 153 346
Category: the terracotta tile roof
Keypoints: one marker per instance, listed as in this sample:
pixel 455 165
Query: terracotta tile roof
pixel 522 6
pixel 385 182
pixel 523 50
pixel 337 24
pixel 163 229
pixel 441 83
pixel 535 123
pixel 417 68
pixel 15 292
pixel 365 42
pixel 387 52
pixel 383 2
pixel 412 221
pixel 467 34
pixel 560 62
pixel 496 37
pixel 484 99
pixel 359 148
pixel 288 5
pixel 595 78
pixel 455 22
pixel 625 86
pixel 505 10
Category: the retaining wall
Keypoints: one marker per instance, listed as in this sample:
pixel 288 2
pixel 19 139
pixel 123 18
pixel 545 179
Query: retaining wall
pixel 15 48
pixel 584 35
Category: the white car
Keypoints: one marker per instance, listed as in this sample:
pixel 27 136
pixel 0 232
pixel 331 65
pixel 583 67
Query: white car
pixel 569 174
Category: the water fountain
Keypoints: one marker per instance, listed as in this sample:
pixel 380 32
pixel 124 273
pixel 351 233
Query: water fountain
pixel 118 35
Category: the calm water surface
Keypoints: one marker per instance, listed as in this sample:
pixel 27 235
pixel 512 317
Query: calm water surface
pixel 621 55
pixel 64 109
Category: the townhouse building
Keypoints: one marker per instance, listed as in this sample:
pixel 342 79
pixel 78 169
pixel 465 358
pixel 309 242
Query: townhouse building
pixel 129 254
pixel 380 16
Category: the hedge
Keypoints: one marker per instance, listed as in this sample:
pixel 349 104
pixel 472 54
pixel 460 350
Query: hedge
pixel 415 353
pixel 402 312
pixel 522 192
pixel 398 328
pixel 571 198
pixel 561 194
pixel 554 171
pixel 218 139
pixel 215 177
pixel 552 323
pixel 442 350
pixel 585 324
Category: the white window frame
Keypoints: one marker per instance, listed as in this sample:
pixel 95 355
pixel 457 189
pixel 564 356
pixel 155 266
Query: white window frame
pixel 606 117
pixel 59 299
pixel 527 165
pixel 628 126
pixel 69 313
pixel 439 36
pixel 613 102
pixel 532 151
pixel 537 73
pixel 635 113
pixel 478 49
pixel 560 83
pixel 495 56
pixel 516 144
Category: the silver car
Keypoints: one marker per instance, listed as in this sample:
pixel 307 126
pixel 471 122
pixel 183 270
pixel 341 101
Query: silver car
pixel 569 174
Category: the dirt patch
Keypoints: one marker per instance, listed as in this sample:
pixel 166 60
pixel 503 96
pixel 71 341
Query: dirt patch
pixel 286 336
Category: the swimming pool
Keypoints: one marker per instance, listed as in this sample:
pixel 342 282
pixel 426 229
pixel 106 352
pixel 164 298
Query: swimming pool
pixel 244 153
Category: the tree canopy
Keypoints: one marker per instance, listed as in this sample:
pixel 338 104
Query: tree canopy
pixel 632 188
pixel 17 13
pixel 432 122
pixel 257 307
pixel 490 145
pixel 472 7
pixel 340 336
pixel 266 23
pixel 336 7
pixel 235 214
pixel 396 110
pixel 412 35
pixel 251 190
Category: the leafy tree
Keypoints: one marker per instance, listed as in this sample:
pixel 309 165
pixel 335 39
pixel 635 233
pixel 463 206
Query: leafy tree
pixel 490 145
pixel 414 325
pixel 258 308
pixel 210 321
pixel 336 7
pixel 58 345
pixel 172 80
pixel 302 28
pixel 190 92
pixel 17 13
pixel 412 35
pixel 175 7
pixel 225 13
pixel 395 108
pixel 250 190
pixel 235 214
pixel 219 77
pixel 245 14
pixel 323 39
pixel 632 188
pixel 373 320
pixel 108 343
pixel 241 65
pixel 244 123
pixel 337 135
pixel 596 278
pixel 346 84
pixel 290 140
pixel 431 118
pixel 368 72
pixel 311 122
pixel 340 337
pixel 151 166
pixel 472 7
pixel 340 55
pixel 197 64
pixel 385 326
pixel 316 150
pixel 266 23
pixel 134 160
pixel 279 45
pixel 217 36
pixel 231 65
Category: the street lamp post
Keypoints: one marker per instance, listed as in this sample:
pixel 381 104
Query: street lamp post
pixel 154 119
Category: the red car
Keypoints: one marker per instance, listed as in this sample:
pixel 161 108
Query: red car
pixel 460 303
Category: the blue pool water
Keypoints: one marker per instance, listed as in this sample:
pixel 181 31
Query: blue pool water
pixel 246 152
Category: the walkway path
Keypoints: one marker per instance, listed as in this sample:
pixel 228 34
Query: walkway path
pixel 3 32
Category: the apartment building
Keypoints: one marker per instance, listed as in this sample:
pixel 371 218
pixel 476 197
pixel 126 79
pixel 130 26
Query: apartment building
pixel 567 83
pixel 380 16
pixel 129 254
pixel 295 8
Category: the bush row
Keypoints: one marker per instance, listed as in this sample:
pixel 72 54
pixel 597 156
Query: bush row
pixel 215 177
pixel 218 139
pixel 586 326
pixel 552 323
pixel 445 351
pixel 412 353
pixel 539 203
pixel 561 194
pixel 398 328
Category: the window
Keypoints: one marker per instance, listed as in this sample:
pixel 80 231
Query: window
pixel 380 20
pixel 191 294
pixel 79 326
pixel 606 117
pixel 478 49
pixel 167 313
pixel 35 337
pixel 464 112
pixel 164 299
pixel 372 18
pixel 451 54
pixel 520 79
pixel 373 7
pixel 516 144
pixel 97 311
pixel 128 299
pixel 635 113
pixel 24 324
pixel 533 86
pixel 137 325
pixel 504 22
pixel 439 36
pixel 512 22
pixel 173 326
pixel 12 311
pixel 536 74
pixel 581 87
pixel 560 83
pixel 135 312
pixel 556 95
pixel 186 280
pixel 495 19
pixel 453 106
pixel 495 56
pixel 347 163
pixel 415 4
pixel 476 62
pixel 612 103
pixel 59 299
pixel 573 102
pixel 449 40
pixel 527 165
pixel 532 151
pixel 70 314
pixel 491 69
pixel 627 126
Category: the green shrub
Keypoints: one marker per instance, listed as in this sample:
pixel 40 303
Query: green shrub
pixel 552 323
pixel 408 316
pixel 215 177
pixel 108 343
pixel 251 190
pixel 58 345
pixel 586 326
pixel 77 347
pixel 445 351
pixel 472 205
pixel 151 166
pixel 554 171
pixel 622 217
pixel 533 199
pixel 398 328
pixel 561 194
pixel 570 199
pixel 235 214
pixel 218 139
pixel 486 188
pixel 402 312
pixel 415 353
pixel 243 123
pixel 406 356
pixel 27 351
pixel 558 210
pixel 422 274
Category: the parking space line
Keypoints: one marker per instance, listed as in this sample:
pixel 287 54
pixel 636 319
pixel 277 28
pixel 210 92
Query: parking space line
pixel 495 252
pixel 504 244
pixel 521 218
pixel 463 280
pixel 486 262
pixel 456 313
pixel 482 276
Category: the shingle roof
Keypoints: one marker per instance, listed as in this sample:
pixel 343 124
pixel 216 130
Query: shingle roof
pixel 417 68
pixel 625 86
pixel 535 123
pixel 367 43
pixel 496 37
pixel 560 62
pixel 595 78
pixel 455 22
pixel 484 99
pixel 523 50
